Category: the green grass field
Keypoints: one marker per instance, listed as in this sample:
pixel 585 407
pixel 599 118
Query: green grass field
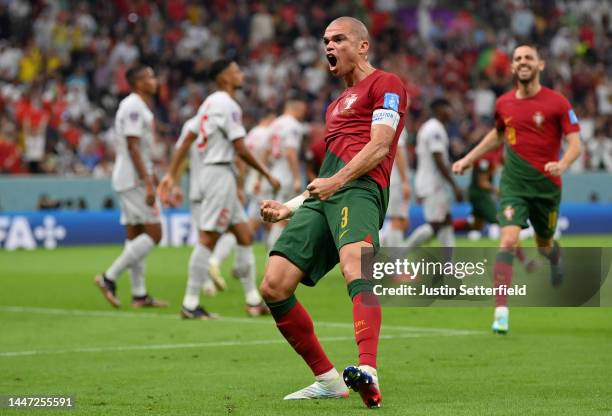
pixel 59 337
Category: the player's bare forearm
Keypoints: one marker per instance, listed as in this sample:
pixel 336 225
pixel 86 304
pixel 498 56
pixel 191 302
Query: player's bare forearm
pixel 294 165
pixel 401 164
pixel 249 159
pixel 443 168
pixel 174 170
pixel 134 151
pixel 574 148
pixel 572 152
pixel 369 157
pixel 492 140
pixel 241 167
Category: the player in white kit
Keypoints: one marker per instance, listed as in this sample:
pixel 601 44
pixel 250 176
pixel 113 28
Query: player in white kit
pixel 433 177
pixel 257 141
pixel 134 181
pixel 220 134
pixel 283 153
pixel 392 233
pixel 214 283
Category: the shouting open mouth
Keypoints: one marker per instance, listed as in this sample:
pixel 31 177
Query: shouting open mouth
pixel 332 60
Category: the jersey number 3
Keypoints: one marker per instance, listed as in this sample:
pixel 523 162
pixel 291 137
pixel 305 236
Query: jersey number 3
pixel 344 217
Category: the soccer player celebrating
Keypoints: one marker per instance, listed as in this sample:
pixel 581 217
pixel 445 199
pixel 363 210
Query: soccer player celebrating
pixel 134 181
pixel 220 135
pixel 339 214
pixel 531 121
pixel 285 143
pixel 432 178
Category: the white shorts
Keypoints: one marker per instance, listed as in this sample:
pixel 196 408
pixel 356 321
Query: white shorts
pixel 220 207
pixel 196 211
pixel 134 208
pixel 436 206
pixel 398 206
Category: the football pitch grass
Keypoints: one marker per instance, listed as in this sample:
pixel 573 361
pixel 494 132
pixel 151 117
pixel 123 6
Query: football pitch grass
pixel 59 337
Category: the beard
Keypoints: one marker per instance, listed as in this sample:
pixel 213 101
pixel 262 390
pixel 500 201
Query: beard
pixel 532 76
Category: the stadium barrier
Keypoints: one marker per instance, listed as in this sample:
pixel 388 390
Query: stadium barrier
pixel 51 229
pixel 21 193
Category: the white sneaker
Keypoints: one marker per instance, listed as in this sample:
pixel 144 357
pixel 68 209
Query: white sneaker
pixel 332 389
pixel 215 274
pixel 501 322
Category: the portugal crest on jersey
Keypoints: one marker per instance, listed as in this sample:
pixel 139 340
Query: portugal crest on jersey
pixel 509 212
pixel 538 119
pixel 348 102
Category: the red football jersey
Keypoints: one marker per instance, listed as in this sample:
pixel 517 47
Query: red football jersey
pixel 534 126
pixel 349 121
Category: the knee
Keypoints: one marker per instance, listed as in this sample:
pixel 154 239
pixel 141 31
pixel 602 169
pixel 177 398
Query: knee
pixel 272 288
pixel 245 239
pixel 155 234
pixel 351 268
pixel 509 242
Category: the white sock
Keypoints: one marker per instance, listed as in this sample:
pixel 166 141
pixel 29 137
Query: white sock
pixel 245 260
pixel 135 251
pixel 137 278
pixel 421 235
pixel 274 234
pixel 198 273
pixel 223 247
pixel 329 375
pixel 446 235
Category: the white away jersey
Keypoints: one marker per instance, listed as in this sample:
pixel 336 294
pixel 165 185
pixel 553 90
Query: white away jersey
pixel 431 138
pixel 258 140
pixel 195 159
pixel 286 133
pixel 219 124
pixel 133 118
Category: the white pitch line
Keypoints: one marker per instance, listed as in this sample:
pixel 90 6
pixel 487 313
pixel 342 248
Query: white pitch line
pixel 213 344
pixel 122 314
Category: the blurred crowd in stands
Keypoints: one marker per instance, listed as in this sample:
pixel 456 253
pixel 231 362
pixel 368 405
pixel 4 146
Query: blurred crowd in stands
pixel 63 64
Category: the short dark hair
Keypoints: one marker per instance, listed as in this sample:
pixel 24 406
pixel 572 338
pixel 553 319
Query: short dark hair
pixel 218 66
pixel 133 72
pixel 529 45
pixel 438 103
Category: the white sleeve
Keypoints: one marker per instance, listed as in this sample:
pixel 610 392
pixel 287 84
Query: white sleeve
pixel 436 142
pixel 194 123
pixel 133 121
pixel 233 124
pixel 189 127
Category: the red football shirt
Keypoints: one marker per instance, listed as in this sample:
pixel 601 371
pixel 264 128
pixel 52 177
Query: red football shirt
pixel 534 126
pixel 349 121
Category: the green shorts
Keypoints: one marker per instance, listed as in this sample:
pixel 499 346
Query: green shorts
pixel 318 229
pixel 541 212
pixel 483 205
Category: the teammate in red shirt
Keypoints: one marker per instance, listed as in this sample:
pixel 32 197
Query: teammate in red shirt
pixel 339 214
pixel 531 120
